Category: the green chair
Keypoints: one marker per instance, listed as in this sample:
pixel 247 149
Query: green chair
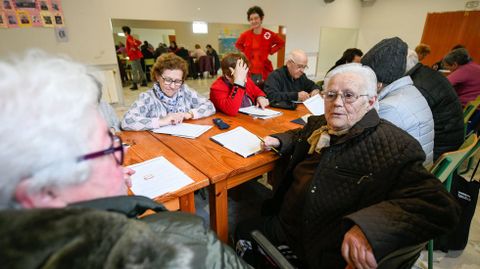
pixel 468 111
pixel 444 169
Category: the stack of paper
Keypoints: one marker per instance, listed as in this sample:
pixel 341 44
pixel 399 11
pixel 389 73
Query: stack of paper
pixel 240 141
pixel 259 113
pixel 186 130
pixel 156 177
pixel 315 105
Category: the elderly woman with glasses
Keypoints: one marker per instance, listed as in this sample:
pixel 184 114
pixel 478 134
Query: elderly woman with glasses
pixel 170 101
pixel 63 190
pixel 354 189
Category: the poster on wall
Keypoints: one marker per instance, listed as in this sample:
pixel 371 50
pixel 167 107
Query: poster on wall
pixel 46 19
pixel 3 21
pixel 11 19
pixel 31 13
pixel 23 18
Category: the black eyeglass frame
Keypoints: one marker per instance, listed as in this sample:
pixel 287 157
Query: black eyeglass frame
pixel 172 81
pixel 111 150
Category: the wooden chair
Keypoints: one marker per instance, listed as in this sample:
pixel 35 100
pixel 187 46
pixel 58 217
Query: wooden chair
pixel 444 169
pixel 468 111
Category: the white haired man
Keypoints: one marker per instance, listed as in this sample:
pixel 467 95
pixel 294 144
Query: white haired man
pixel 289 82
pixel 352 180
pixel 62 178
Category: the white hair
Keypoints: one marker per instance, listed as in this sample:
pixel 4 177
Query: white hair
pixel 370 79
pixel 294 53
pixel 47 110
pixel 412 60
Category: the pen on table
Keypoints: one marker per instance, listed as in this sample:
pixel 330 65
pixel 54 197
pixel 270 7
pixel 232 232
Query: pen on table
pixel 274 149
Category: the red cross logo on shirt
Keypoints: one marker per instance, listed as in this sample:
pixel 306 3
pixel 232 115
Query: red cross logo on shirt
pixel 267 35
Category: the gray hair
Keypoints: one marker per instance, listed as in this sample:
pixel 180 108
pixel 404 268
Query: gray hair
pixel 294 54
pixel 459 56
pixel 412 60
pixel 48 107
pixel 368 75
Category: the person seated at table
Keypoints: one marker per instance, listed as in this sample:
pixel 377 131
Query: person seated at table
pixel 354 189
pixel 54 210
pixel 400 102
pixel 352 55
pixel 465 79
pixel 443 101
pixel 235 89
pixel 289 82
pixel 170 101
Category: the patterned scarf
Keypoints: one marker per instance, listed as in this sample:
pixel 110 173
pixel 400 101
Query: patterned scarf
pixel 173 104
pixel 320 138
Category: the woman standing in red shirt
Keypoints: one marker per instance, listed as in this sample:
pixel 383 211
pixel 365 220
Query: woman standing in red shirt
pixel 257 43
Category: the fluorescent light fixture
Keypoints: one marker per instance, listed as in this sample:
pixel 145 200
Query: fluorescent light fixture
pixel 200 27
pixel 120 34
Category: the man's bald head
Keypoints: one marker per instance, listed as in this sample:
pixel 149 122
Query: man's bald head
pixel 296 63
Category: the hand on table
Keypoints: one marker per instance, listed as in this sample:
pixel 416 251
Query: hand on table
pixel 303 95
pixel 314 92
pixel 262 102
pixel 270 142
pixel 356 250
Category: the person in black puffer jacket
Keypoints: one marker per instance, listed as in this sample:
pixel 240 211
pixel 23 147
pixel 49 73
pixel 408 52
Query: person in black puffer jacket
pixel 355 188
pixel 444 103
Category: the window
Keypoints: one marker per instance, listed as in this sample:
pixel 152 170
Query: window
pixel 200 27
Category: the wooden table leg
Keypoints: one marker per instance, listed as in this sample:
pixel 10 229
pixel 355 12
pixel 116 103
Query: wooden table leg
pixel 219 209
pixel 187 203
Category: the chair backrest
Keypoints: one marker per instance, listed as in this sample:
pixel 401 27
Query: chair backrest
pixel 469 109
pixel 448 163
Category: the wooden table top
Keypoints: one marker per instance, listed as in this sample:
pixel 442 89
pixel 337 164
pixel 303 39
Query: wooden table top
pixel 219 163
pixel 143 146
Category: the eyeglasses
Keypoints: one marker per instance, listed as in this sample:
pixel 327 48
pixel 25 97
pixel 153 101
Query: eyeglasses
pixel 347 96
pixel 169 81
pixel 116 146
pixel 299 66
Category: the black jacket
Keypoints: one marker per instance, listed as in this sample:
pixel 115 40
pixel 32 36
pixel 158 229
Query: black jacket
pixel 445 105
pixel 373 177
pixel 280 86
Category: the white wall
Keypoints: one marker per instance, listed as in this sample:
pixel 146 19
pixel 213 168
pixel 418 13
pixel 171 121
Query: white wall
pixel 402 18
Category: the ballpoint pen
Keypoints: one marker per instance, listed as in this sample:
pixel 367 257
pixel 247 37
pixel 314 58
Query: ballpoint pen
pixel 272 148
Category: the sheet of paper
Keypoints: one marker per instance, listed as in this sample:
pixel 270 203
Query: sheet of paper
pixel 240 141
pixel 156 177
pixel 315 105
pixel 186 130
pixel 258 112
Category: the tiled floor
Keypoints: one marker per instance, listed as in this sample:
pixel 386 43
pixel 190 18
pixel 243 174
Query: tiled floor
pixel 466 259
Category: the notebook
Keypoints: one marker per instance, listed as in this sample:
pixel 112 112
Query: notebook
pixel 315 105
pixel 240 141
pixel 259 113
pixel 186 130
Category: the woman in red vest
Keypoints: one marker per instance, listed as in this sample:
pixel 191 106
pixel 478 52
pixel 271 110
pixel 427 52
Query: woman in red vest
pixel 257 43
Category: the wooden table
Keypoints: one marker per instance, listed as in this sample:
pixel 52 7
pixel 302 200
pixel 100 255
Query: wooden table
pixel 224 168
pixel 143 146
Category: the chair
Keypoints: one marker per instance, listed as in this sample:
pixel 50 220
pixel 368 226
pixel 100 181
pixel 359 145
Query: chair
pixel 444 169
pixel 468 111
pixel 401 259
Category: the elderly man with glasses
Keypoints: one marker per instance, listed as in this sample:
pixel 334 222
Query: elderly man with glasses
pixel 289 82
pixel 63 200
pixel 354 188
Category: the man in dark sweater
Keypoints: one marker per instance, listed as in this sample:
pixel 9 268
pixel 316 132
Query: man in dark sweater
pixel 444 103
pixel 289 82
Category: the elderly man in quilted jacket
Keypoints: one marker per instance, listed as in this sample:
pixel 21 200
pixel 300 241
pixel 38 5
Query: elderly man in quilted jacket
pixel 354 189
pixel 63 200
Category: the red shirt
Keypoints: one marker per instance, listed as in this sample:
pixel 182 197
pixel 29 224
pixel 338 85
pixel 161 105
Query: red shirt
pixel 257 48
pixel 131 47
pixel 228 98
